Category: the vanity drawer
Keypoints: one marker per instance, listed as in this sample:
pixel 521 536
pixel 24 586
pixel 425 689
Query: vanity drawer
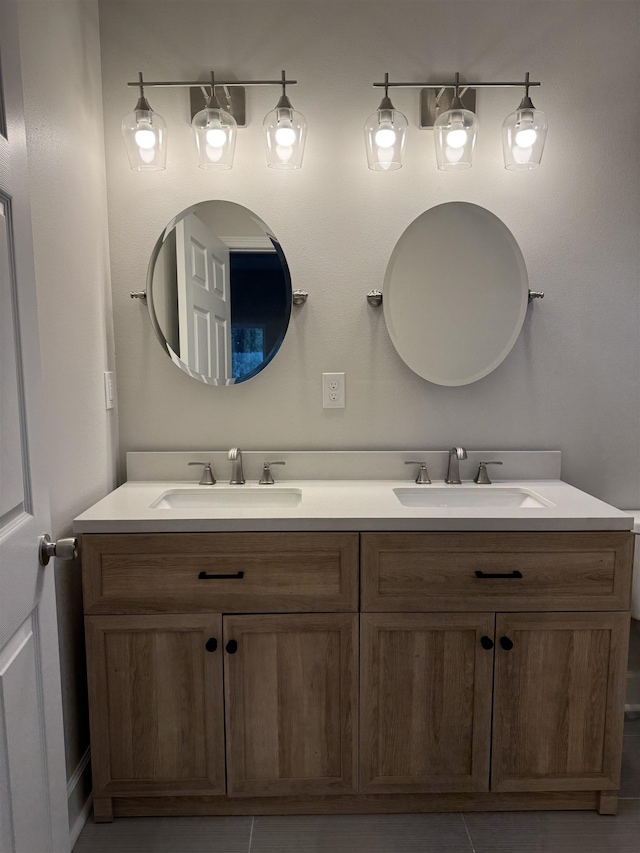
pixel 537 571
pixel 220 572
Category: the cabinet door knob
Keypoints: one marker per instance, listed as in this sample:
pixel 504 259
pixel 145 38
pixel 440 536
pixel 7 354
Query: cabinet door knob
pixel 211 645
pixel 506 643
pixel 486 643
pixel 232 647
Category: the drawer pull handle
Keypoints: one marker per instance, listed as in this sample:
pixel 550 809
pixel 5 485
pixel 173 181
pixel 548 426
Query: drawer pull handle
pixel 486 643
pixel 515 574
pixel 203 576
pixel 232 647
pixel 506 643
pixel 211 645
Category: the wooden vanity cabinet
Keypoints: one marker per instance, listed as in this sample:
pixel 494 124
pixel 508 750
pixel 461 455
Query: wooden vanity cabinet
pixel 278 673
pixel 558 700
pixel 291 698
pixel 494 701
pixel 431 683
pixel 496 571
pixel 201 701
pixel 425 701
pixel 156 704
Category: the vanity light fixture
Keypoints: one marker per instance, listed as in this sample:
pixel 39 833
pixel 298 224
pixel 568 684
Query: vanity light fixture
pixel 145 135
pixel 524 134
pixel 285 133
pixel 456 128
pixel 214 133
pixel 455 132
pixel 385 135
pixel 215 127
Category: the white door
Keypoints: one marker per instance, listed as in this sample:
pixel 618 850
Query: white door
pixel 33 802
pixel 204 300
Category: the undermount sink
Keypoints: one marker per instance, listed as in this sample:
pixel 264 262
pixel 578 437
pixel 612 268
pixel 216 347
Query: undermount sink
pixel 472 497
pixel 221 497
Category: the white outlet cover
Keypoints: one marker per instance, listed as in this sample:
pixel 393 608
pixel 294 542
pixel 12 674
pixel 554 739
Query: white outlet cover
pixel 333 391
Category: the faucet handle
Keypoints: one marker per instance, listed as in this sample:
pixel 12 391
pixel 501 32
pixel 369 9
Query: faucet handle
pixel 423 474
pixel 207 478
pixel 482 478
pixel 267 478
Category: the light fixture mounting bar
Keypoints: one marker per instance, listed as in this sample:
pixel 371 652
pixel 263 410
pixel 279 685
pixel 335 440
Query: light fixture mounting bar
pixel 465 85
pixel 199 83
pixel 230 93
pixel 438 97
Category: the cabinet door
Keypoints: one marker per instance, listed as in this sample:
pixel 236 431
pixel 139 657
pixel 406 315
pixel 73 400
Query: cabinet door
pixel 425 701
pixel 156 704
pixel 291 700
pixel 558 701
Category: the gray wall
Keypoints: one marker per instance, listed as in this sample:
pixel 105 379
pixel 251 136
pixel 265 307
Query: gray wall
pixel 571 381
pixel 60 53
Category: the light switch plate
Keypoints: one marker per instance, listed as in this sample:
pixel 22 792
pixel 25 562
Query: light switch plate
pixel 109 390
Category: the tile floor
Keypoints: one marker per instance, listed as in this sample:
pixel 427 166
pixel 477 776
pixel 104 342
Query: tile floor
pixel 513 832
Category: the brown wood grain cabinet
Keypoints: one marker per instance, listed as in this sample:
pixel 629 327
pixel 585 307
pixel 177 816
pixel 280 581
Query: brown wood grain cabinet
pixel 496 571
pixel 278 673
pixel 292 699
pixel 425 719
pixel 156 704
pixel 559 691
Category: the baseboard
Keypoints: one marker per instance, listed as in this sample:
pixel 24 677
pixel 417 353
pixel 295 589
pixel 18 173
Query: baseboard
pixel 76 829
pixel 79 797
pixel 362 803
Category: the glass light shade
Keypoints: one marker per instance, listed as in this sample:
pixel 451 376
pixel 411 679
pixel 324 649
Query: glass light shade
pixel 214 133
pixel 524 134
pixel 285 133
pixel 145 138
pixel 455 133
pixel 385 138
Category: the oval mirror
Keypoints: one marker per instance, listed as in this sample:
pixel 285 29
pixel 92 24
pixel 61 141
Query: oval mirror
pixel 455 293
pixel 219 292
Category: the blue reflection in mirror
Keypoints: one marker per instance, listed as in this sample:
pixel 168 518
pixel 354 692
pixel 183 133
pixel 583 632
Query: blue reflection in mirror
pixel 260 298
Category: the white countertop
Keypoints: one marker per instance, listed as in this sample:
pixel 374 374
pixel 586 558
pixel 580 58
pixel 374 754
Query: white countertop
pixel 350 505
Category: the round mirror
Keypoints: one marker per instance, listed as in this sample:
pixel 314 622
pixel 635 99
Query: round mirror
pixel 455 294
pixel 219 292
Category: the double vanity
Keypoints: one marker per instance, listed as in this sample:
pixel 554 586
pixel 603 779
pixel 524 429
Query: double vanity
pixel 333 644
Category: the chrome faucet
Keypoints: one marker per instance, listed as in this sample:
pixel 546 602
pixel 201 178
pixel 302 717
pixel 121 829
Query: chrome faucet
pixel 267 476
pixel 237 475
pixel 207 478
pixel 453 472
pixel 422 477
pixel 482 478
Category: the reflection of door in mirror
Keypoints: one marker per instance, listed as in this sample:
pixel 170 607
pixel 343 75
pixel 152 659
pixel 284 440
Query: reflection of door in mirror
pixel 259 299
pixel 219 293
pixel 204 304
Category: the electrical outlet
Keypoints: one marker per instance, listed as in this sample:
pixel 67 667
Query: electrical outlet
pixel 333 391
